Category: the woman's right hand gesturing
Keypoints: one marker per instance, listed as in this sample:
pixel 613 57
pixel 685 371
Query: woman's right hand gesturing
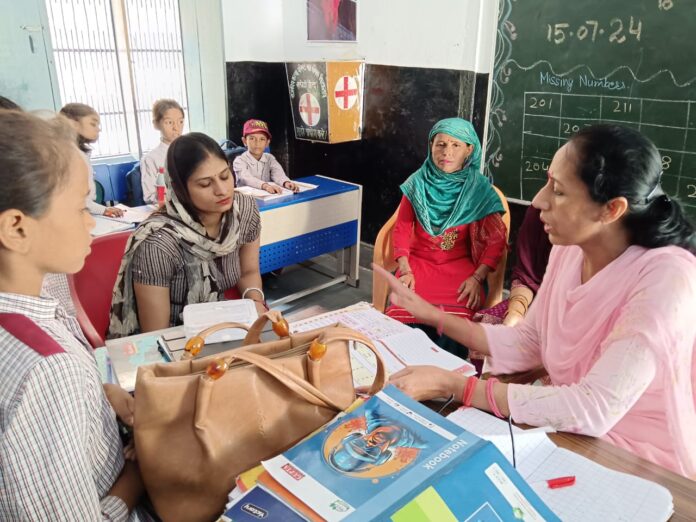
pixel 407 299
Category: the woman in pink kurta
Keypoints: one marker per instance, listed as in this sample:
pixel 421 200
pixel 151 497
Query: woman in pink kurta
pixel 613 322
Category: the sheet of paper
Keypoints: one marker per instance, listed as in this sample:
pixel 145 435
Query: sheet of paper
pixel 360 317
pixel 305 186
pixel 135 214
pixel 104 225
pixel 614 495
pixel 263 195
pixel 413 347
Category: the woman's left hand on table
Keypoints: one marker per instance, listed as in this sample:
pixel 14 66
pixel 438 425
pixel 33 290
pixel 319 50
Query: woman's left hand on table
pixel 470 293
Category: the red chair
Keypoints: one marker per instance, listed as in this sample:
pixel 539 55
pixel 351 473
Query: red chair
pixel 92 287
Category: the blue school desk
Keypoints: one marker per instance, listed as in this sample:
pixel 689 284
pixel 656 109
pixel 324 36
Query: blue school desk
pixel 301 226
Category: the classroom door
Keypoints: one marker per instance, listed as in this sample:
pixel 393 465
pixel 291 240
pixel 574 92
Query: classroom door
pixel 27 73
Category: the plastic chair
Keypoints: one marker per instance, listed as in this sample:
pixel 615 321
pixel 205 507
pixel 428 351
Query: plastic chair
pixel 99 196
pixel 92 287
pixel 383 256
pixel 134 187
pixel 101 175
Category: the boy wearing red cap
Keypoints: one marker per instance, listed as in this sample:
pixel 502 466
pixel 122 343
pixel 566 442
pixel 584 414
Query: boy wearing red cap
pixel 257 168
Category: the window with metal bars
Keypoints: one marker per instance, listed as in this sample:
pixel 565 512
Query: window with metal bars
pixel 119 56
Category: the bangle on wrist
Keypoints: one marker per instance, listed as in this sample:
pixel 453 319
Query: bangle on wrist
pixel 469 389
pixel 405 273
pixel 263 296
pixel 521 300
pixel 490 397
pixel 477 278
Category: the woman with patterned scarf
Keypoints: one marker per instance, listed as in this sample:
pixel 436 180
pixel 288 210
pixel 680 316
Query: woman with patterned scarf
pixel 202 242
pixel 449 233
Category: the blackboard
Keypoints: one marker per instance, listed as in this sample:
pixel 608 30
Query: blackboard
pixel 562 65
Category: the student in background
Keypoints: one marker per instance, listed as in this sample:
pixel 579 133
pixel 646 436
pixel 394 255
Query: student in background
pixel 613 321
pixel 204 241
pixel 85 121
pixel 61 456
pixel 168 118
pixel 256 168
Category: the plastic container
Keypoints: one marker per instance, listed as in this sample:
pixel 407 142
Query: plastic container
pixel 200 316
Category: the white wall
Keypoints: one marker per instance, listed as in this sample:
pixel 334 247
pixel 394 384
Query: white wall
pixel 448 34
pixel 204 65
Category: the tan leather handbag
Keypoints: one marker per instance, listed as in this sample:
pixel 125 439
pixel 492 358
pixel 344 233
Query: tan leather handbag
pixel 201 422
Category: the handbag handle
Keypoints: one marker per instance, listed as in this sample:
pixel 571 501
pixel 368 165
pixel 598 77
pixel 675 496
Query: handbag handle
pixel 303 388
pixel 298 385
pixel 195 344
pixel 254 331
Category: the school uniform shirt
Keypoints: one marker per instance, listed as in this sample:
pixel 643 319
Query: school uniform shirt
pixel 60 451
pixel 149 168
pixel 255 173
pixel 56 286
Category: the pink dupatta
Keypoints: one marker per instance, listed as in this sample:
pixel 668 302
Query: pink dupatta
pixel 644 294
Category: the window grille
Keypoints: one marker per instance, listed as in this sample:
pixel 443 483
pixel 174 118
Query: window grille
pixel 86 49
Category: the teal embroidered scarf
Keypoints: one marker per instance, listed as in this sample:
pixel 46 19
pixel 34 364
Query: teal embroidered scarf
pixel 442 201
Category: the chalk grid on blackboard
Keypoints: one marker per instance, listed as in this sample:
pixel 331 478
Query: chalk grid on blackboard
pixel 550 119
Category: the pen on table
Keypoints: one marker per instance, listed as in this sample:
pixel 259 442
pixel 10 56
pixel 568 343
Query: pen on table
pixel 558 482
pixel 164 350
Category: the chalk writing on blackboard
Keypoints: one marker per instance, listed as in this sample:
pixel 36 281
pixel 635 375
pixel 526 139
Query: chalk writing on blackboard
pixel 562 66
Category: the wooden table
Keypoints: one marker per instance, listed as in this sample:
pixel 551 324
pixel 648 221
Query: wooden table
pixel 683 490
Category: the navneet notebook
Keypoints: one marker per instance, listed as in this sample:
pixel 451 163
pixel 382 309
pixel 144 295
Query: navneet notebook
pixel 393 453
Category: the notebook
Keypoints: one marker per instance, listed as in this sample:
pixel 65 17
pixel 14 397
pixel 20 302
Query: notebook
pixel 599 493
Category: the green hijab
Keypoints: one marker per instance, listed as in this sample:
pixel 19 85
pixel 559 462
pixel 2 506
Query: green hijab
pixel 442 200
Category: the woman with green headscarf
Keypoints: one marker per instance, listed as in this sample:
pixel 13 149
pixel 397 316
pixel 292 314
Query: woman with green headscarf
pixel 449 233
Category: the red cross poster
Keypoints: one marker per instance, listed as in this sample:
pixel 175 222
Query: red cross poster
pixel 346 92
pixel 308 99
pixel 326 100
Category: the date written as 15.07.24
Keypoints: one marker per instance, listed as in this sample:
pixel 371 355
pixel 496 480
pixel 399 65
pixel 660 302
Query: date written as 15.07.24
pixel 561 32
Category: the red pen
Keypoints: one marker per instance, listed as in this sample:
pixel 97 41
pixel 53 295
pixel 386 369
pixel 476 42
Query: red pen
pixel 560 482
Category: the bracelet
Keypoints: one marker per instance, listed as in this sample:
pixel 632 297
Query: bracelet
pixel 477 278
pixel 491 398
pixel 519 299
pixel 401 274
pixel 441 320
pixel 263 296
pixel 469 389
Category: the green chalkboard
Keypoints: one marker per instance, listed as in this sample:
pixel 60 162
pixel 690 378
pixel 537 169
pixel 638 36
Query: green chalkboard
pixel 562 65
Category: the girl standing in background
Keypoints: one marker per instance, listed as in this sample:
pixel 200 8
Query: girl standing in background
pixel 168 118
